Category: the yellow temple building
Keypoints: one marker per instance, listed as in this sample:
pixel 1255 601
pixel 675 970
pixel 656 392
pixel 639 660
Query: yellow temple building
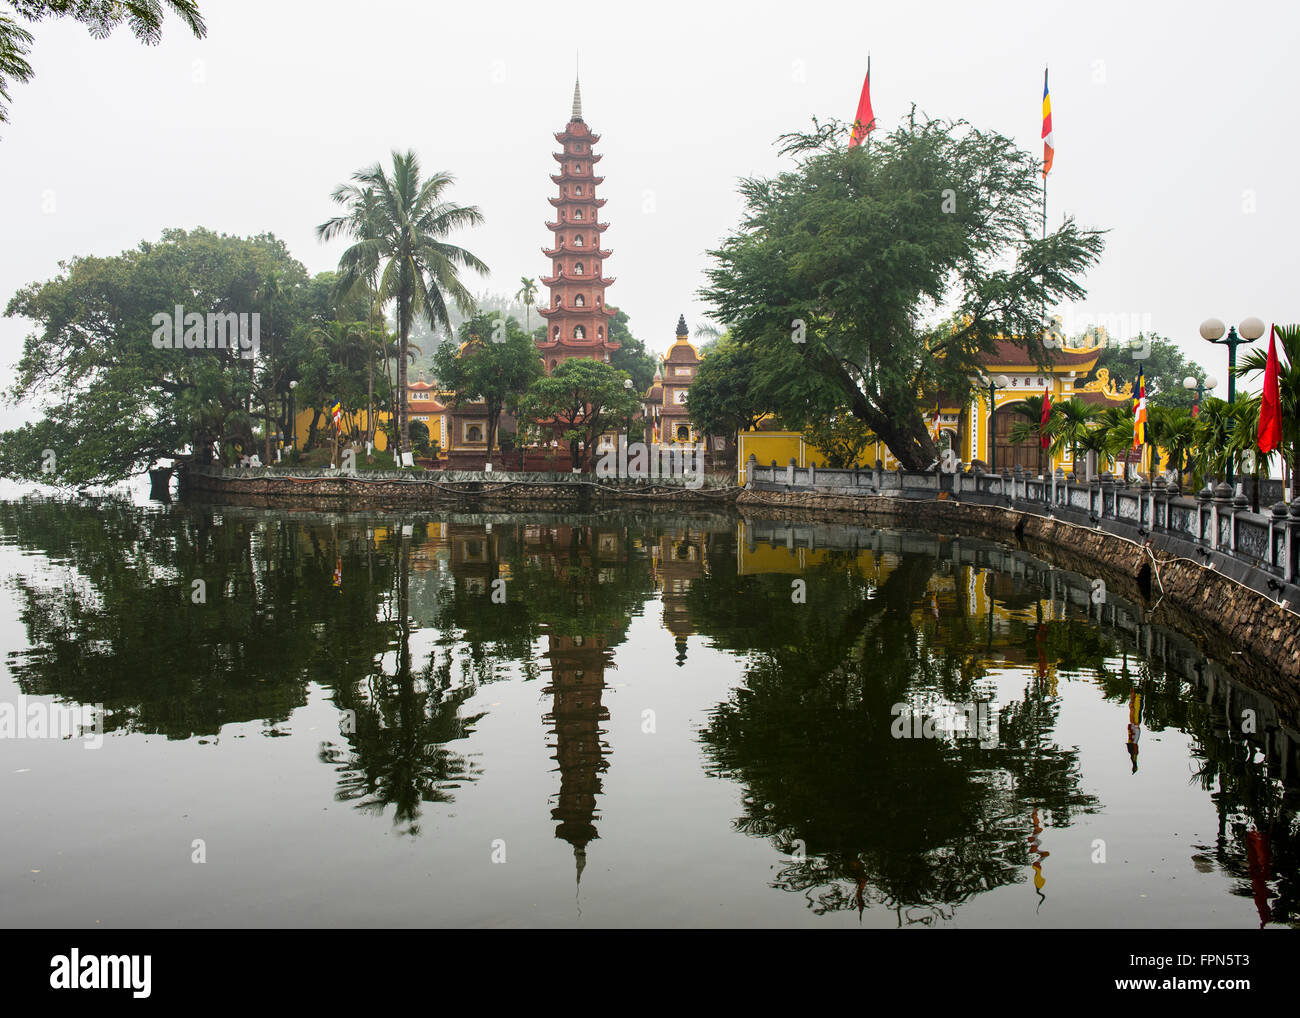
pixel 970 428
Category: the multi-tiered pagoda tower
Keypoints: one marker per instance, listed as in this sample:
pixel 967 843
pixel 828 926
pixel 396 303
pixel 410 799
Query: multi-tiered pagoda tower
pixel 577 318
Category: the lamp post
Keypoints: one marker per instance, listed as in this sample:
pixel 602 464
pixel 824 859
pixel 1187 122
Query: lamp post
pixel 1249 330
pixel 995 383
pixel 1209 385
pixel 293 421
pixel 627 421
pixel 1201 388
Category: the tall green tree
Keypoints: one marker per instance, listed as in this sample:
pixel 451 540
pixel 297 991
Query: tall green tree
pixel 1164 367
pixel 632 355
pixel 109 402
pixel 101 17
pixel 496 362
pixel 399 223
pixel 584 399
pixel 725 397
pixel 847 258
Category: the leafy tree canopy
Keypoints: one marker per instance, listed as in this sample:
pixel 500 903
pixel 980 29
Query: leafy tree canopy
pixel 1164 369
pixel 143 17
pixel 495 362
pixel 109 401
pixel 841 438
pixel 584 398
pixel 727 396
pixel 880 273
pixel 632 355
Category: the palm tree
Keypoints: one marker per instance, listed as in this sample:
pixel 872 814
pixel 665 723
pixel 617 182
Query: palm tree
pixel 1112 435
pixel 527 293
pixel 15 44
pixel 1243 442
pixel 1095 442
pixel 1288 384
pixel 1029 427
pixel 338 341
pixel 708 336
pixel 1071 423
pixel 399 223
pixel 1212 432
pixel 1173 429
pixel 1119 434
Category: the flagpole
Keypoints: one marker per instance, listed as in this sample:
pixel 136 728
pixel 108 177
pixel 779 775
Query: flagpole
pixel 1044 206
pixel 1043 310
pixel 867 140
pixel 1046 170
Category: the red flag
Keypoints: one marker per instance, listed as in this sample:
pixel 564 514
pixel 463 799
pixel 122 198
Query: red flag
pixel 1270 406
pixel 865 122
pixel 1047 416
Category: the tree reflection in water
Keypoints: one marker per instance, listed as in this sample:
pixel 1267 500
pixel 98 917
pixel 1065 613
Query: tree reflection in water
pixel 395 620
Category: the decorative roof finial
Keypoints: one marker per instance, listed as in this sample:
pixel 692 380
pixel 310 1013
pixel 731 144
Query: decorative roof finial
pixel 681 326
pixel 577 98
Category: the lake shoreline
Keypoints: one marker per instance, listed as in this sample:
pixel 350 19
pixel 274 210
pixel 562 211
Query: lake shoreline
pixel 1184 594
pixel 1193 599
pixel 443 490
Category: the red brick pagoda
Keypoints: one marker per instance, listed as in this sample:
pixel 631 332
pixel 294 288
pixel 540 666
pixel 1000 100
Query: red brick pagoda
pixel 577 318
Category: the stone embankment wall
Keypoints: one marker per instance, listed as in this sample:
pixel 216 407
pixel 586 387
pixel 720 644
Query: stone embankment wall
pixel 1225 616
pixel 443 490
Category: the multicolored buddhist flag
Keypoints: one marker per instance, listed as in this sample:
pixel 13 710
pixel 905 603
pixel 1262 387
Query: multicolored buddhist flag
pixel 865 121
pixel 1049 145
pixel 1140 412
pixel 1043 421
pixel 1270 404
pixel 336 412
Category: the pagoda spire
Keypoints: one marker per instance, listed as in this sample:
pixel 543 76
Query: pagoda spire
pixel 578 319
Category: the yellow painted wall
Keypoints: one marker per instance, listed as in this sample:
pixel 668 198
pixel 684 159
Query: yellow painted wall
pixel 766 446
pixel 437 424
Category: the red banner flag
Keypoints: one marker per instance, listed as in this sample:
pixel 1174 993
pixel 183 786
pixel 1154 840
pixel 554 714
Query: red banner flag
pixel 1047 416
pixel 865 122
pixel 1270 405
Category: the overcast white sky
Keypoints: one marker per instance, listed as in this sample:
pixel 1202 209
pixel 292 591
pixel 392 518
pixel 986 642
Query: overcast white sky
pixel 1174 130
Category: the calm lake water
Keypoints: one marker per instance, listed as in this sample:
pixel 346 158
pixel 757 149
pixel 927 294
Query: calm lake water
pixel 624 719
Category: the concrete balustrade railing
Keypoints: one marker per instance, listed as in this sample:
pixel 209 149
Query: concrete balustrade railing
pixel 1212 526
